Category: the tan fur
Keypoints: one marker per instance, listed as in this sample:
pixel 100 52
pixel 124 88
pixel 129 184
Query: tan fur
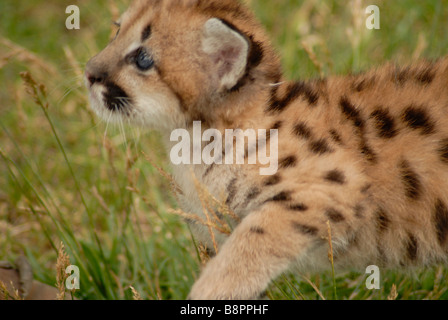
pixel 367 152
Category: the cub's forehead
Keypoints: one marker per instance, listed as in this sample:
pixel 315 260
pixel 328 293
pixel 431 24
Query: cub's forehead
pixel 140 7
pixel 169 13
pixel 137 6
pixel 166 15
pixel 149 9
pixel 136 10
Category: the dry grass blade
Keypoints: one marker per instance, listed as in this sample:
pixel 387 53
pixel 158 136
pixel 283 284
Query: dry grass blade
pixel 37 91
pixel 135 295
pixel 331 258
pixel 205 197
pixel 24 55
pixel 100 199
pixel 210 206
pixel 215 205
pixel 5 294
pixel 314 287
pixel 203 254
pixel 199 220
pixel 393 293
pixel 214 211
pixel 61 265
pixel 309 50
pixel 74 65
pixel 174 186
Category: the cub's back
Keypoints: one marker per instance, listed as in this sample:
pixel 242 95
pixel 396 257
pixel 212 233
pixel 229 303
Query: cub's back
pixel 383 134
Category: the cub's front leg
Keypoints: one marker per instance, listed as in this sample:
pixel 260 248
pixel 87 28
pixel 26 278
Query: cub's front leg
pixel 267 243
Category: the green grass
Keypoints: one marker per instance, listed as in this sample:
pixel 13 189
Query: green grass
pixel 64 178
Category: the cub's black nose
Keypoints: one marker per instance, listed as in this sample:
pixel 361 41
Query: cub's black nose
pixel 93 78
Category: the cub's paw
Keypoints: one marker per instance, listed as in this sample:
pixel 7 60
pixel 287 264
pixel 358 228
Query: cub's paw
pixel 218 284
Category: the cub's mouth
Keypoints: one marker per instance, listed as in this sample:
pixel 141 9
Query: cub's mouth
pixel 108 94
pixel 115 98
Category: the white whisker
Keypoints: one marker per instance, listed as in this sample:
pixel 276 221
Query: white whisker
pixel 123 133
pixel 107 127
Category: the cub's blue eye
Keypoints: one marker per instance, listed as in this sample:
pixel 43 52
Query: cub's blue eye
pixel 143 61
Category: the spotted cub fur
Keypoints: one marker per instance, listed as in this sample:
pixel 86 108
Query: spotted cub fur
pixel 367 153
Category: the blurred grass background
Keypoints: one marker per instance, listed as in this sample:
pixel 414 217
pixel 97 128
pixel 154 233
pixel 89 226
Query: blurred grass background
pixel 65 176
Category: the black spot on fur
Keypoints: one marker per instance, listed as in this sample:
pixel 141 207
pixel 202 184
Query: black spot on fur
pixel 274 100
pixel 231 191
pixel 335 176
pixel 359 211
pixel 382 220
pixel 293 92
pixel 423 75
pixel 272 180
pixel 208 170
pixel 257 230
pixel 334 215
pixel 311 96
pixel 411 181
pixel 384 123
pixel 359 85
pixel 443 151
pixel 305 229
pixel 298 207
pixel 320 147
pixel 251 195
pixel 366 188
pixel 426 76
pixel 146 33
pixel 417 118
pixel 401 75
pixel 302 131
pixel 277 125
pixel 288 162
pixel 441 221
pixel 268 138
pixel 282 196
pixel 367 151
pixel 350 112
pixel 278 105
pixel 363 84
pixel 412 247
pixel 335 136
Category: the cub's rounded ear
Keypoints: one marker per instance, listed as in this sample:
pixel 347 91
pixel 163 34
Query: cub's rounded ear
pixel 228 50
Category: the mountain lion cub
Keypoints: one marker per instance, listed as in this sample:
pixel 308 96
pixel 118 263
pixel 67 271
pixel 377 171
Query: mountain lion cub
pixel 364 154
